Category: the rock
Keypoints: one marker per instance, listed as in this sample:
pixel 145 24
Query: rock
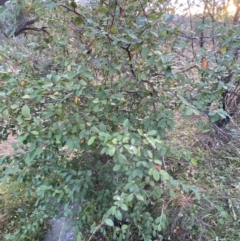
pixel 61 230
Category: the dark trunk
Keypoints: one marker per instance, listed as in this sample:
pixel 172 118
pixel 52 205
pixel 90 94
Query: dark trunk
pixel 223 122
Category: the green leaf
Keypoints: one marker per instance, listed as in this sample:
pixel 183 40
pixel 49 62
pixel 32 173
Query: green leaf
pixel 109 222
pixel 164 175
pixel 144 52
pixel 5 113
pixel 151 61
pixel 95 129
pixel 118 215
pixel 70 144
pixel 168 71
pixel 189 111
pixel 194 161
pixel 124 227
pixel 139 197
pixel 114 29
pixel 124 207
pixel 102 127
pixel 20 210
pixel 151 141
pixel 26 111
pixel 111 150
pixel 51 6
pixel 141 21
pixel 2 9
pixel 150 155
pixel 116 168
pixel 157 161
pixel 140 131
pixel 26 97
pixel 196 192
pixel 91 140
pixel 156 175
pixel 78 20
pixel 126 124
pixel 23 137
pixel 36 133
pixel 152 133
pixel 87 74
pixel 185 188
pixel 223 49
pixel 131 34
pixel 14 106
pixel 130 197
pixel 114 140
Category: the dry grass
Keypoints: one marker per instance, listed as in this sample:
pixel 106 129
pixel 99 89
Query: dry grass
pixel 214 168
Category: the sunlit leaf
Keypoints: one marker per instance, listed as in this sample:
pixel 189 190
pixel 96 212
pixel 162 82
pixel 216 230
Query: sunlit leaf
pixel 109 222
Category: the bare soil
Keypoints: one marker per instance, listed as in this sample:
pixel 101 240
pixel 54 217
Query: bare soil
pixel 6 146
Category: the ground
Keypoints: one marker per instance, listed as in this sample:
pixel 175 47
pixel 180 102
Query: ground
pixel 6 146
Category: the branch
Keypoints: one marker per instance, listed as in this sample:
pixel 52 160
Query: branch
pixel 130 58
pixel 71 10
pixel 23 26
pixel 113 17
pixel 35 29
pixel 97 228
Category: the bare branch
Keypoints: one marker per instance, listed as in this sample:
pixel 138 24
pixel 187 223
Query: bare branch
pixel 23 26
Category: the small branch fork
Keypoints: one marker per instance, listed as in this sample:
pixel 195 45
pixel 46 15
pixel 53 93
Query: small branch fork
pixel 25 27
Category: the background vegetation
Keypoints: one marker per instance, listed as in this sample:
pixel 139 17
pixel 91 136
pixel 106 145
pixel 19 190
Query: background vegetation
pixel 126 109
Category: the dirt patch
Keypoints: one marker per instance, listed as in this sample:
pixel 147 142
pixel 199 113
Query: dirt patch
pixel 6 146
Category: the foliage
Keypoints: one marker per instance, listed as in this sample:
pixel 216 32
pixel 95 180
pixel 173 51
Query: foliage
pixel 91 94
pixel 13 205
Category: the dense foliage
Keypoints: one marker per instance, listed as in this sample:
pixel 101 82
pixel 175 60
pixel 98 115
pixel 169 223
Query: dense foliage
pixel 91 92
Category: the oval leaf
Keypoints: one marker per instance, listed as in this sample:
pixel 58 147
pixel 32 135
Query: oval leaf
pixel 124 207
pixel 118 215
pixel 156 175
pixel 26 111
pixel 116 168
pixel 165 175
pixel 91 140
pixel 112 150
pixel 109 222
pixel 152 133
pixel 35 133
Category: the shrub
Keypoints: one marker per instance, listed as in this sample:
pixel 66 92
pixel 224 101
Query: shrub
pixel 91 95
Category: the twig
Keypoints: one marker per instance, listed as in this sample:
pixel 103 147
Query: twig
pixel 33 29
pixel 130 58
pixel 71 10
pixel 97 228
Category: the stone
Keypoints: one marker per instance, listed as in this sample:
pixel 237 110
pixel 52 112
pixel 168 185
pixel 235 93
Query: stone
pixel 61 230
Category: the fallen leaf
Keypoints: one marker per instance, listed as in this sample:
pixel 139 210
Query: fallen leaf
pixel 76 100
pixel 23 82
pixel 204 63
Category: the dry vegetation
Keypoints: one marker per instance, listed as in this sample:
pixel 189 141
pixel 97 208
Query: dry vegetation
pixel 214 169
